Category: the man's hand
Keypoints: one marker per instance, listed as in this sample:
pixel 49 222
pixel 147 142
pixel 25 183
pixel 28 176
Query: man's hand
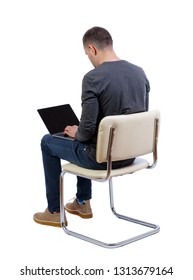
pixel 71 130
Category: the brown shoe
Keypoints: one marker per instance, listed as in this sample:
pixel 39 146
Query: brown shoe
pixel 48 219
pixel 84 211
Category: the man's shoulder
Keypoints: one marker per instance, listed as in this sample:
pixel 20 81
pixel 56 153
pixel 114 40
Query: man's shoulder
pixel 111 67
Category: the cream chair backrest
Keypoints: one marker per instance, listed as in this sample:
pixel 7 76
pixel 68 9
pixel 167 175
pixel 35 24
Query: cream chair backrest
pixel 134 135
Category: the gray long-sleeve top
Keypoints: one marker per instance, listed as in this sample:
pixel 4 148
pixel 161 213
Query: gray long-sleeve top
pixel 113 88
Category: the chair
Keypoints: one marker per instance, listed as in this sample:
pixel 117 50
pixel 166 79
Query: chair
pixel 119 137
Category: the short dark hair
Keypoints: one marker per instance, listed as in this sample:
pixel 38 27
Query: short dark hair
pixel 98 36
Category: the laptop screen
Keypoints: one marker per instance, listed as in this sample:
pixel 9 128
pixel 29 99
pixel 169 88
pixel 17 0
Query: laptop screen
pixel 58 117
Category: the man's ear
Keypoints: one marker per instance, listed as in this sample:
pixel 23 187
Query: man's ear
pixel 93 49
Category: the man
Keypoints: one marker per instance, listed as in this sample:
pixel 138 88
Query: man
pixel 113 87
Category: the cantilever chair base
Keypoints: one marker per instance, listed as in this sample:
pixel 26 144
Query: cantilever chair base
pixel 119 138
pixel 99 176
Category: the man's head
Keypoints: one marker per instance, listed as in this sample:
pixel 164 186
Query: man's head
pixel 97 41
pixel 98 36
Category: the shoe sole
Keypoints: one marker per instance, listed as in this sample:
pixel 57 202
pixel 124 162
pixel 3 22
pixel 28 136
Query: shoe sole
pixel 49 223
pixel 76 212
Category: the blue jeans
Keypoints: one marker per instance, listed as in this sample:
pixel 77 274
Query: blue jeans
pixel 53 150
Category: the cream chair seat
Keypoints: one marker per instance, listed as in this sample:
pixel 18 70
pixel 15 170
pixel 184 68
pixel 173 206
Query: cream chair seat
pixel 119 137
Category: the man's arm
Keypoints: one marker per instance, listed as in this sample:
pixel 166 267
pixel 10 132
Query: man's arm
pixel 90 110
pixel 88 123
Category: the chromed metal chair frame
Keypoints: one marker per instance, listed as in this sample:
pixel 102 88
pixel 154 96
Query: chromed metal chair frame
pixel 153 227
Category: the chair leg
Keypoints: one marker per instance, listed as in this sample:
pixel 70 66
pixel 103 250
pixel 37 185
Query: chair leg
pixel 98 242
pixel 72 233
pixel 155 227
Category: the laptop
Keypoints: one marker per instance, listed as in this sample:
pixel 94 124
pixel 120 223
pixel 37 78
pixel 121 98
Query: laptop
pixel 57 118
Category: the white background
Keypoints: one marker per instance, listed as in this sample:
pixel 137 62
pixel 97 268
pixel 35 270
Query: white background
pixel 42 63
